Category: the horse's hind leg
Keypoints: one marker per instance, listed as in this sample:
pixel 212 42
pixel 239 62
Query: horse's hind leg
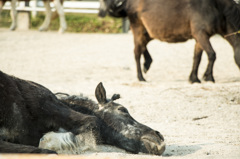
pixel 148 60
pixel 47 20
pixel 203 40
pixel 13 15
pixel 63 24
pixel 141 40
pixel 147 56
pixel 196 61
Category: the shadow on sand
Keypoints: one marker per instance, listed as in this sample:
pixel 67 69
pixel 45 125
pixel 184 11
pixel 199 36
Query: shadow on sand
pixel 180 150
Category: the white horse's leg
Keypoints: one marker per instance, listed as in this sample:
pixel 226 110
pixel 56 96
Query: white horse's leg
pixel 59 8
pixel 48 14
pixel 1 6
pixel 13 15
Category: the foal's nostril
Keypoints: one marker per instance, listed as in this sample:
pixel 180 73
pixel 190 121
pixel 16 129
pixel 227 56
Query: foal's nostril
pixel 160 135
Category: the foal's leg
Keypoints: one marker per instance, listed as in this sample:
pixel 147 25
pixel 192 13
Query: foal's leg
pixel 206 45
pixel 47 20
pixel 63 24
pixel 196 61
pixel 13 15
pixel 7 147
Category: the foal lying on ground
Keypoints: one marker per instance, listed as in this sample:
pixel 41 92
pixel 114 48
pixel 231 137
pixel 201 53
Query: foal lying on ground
pixel 29 110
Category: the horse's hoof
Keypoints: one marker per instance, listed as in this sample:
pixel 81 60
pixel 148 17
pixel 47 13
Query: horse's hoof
pixel 42 29
pixel 208 78
pixel 194 79
pixel 13 27
pixel 141 79
pixel 61 31
pixel 146 67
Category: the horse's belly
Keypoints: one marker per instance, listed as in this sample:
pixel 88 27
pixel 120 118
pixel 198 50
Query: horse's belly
pixel 166 20
pixel 178 32
pixel 171 38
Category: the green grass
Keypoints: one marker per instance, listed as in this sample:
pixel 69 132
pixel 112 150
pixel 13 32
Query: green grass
pixel 89 23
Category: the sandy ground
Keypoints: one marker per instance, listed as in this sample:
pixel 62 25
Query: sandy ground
pixel 197 120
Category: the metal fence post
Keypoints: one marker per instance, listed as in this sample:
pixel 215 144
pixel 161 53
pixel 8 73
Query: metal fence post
pixel 125 25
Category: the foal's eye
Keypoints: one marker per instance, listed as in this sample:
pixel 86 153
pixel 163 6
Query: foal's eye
pixel 122 109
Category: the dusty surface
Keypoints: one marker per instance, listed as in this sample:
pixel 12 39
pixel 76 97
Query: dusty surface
pixel 197 120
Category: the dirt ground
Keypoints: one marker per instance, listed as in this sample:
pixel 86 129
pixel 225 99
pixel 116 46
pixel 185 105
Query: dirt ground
pixel 197 120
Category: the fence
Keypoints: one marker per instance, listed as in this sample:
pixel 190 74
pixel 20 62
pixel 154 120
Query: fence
pixel 88 7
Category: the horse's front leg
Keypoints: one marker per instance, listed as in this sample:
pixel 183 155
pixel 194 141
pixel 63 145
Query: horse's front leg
pixel 196 61
pixel 48 14
pixel 137 54
pixel 13 15
pixel 203 40
pixel 60 10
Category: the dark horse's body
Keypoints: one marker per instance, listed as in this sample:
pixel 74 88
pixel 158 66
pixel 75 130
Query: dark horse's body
pixel 178 21
pixel 29 110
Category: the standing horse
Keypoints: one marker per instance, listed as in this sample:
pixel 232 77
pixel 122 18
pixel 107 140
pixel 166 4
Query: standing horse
pixel 177 21
pixel 47 20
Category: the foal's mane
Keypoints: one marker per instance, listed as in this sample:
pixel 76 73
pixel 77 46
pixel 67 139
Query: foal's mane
pixel 78 103
pixel 232 12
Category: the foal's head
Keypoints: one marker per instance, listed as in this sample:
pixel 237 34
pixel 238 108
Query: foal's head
pixel 120 129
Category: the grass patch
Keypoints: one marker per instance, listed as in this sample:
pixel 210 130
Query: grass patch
pixel 89 23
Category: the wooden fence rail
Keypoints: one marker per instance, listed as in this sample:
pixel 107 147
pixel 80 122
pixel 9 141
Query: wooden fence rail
pixel 86 7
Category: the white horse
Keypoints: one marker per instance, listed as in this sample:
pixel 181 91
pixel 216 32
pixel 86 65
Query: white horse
pixel 47 20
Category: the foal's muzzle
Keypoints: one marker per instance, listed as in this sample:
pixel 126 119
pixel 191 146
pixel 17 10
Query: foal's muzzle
pixel 153 144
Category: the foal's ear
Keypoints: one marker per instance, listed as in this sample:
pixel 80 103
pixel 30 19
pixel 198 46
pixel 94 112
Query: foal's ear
pixel 100 94
pixel 115 97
